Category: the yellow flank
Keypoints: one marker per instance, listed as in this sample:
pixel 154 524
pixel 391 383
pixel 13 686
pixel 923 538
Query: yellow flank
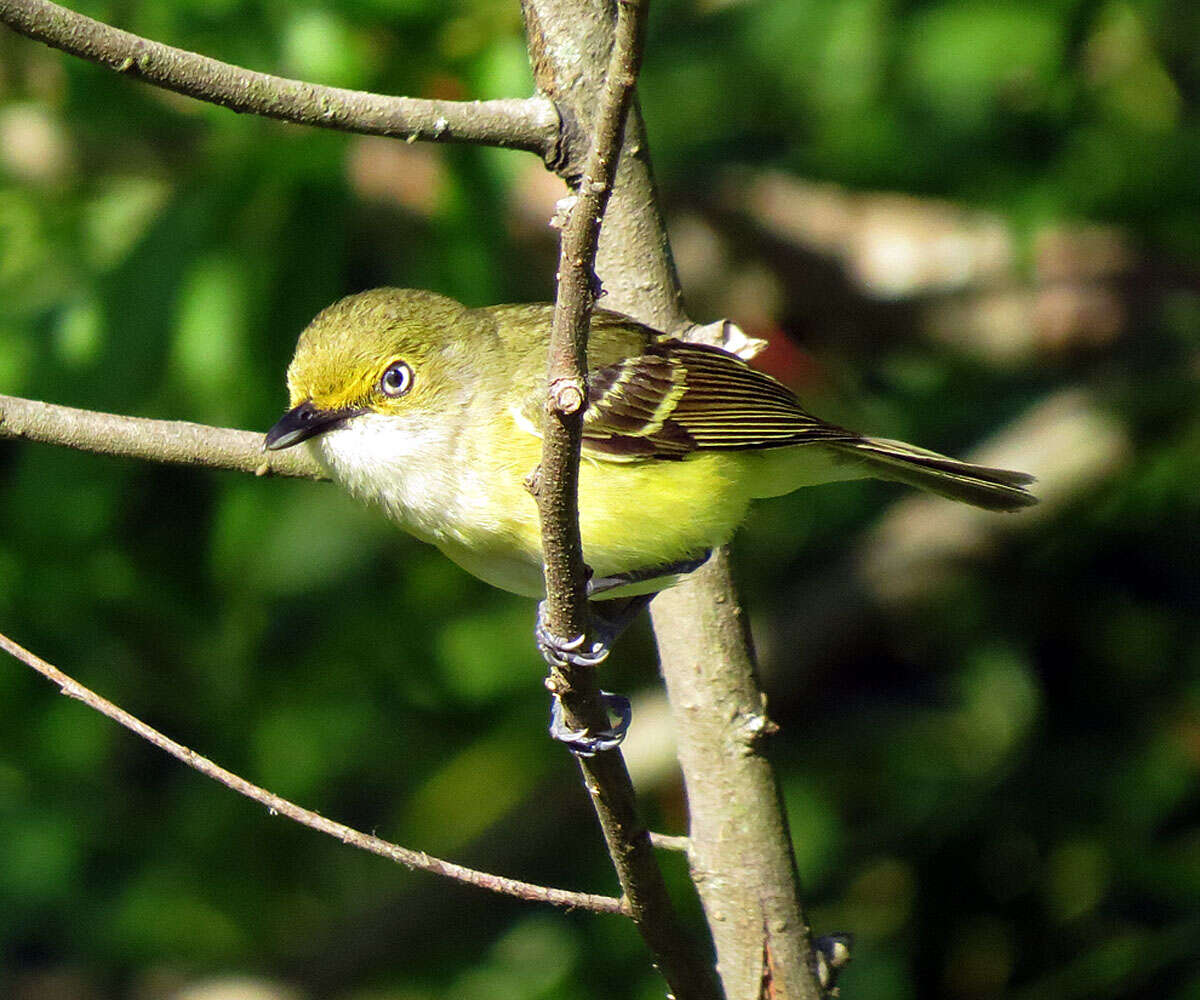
pixel 678 438
pixel 693 505
pixel 632 515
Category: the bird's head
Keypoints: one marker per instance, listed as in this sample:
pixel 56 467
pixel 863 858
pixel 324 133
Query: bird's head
pixel 391 351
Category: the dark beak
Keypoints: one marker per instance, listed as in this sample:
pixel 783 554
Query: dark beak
pixel 303 422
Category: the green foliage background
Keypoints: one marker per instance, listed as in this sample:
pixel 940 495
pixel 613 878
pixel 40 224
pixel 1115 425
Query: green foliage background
pixel 995 789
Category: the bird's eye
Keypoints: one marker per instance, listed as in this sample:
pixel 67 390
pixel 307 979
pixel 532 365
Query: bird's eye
pixel 396 380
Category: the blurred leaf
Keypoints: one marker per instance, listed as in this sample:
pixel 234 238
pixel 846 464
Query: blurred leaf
pixel 475 788
pixel 161 915
pixel 118 216
pixel 532 961
pixel 40 858
pixel 209 350
pixel 275 549
pixel 964 59
pixel 319 45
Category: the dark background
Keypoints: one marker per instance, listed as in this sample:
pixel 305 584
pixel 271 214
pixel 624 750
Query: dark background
pixel 958 222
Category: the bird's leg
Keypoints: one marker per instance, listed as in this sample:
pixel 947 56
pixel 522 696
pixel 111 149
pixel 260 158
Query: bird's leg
pixel 603 584
pixel 609 618
pixel 587 742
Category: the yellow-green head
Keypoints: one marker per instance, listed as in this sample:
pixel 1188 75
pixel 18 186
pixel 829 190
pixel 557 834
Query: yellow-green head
pixel 389 351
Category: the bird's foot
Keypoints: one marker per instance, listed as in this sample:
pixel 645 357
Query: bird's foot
pixel 609 618
pixel 588 743
pixel 832 953
pixel 558 651
pixel 584 651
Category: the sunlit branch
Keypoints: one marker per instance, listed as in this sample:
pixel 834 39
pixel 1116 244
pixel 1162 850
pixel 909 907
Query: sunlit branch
pixel 605 774
pixel 173 441
pixel 282 807
pixel 531 124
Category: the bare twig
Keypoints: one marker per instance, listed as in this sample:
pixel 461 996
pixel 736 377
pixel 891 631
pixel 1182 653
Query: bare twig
pixel 282 807
pixel 173 441
pixel 739 843
pixel 634 257
pixel 531 124
pixel 668 842
pixel 606 776
pixel 558 485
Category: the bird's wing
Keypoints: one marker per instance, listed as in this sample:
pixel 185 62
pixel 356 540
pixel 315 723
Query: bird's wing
pixel 675 398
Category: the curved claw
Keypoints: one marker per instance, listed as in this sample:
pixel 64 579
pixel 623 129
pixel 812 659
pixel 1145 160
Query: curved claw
pixel 560 652
pixel 832 954
pixel 586 743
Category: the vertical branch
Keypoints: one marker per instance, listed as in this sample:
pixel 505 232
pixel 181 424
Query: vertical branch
pixel 741 855
pixel 568 40
pixel 740 851
pixel 556 489
pixel 557 485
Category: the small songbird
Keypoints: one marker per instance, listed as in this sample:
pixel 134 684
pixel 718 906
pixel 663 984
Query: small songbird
pixel 434 411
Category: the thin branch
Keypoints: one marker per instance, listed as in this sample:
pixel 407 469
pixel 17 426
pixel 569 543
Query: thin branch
pixel 557 493
pixel 737 828
pixel 173 441
pixel 669 842
pixel 530 124
pixel 557 489
pixel 634 257
pixel 282 807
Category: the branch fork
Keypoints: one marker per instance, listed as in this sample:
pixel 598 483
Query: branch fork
pixel 737 874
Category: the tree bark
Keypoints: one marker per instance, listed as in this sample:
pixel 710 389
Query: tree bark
pixel 529 124
pixel 741 851
pixel 556 488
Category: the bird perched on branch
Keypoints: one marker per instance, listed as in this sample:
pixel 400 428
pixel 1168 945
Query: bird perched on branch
pixel 434 411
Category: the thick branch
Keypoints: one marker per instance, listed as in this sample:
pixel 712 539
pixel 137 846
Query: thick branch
pixel 531 124
pixel 282 807
pixel 741 853
pixel 174 441
pixel 557 492
pixel 722 728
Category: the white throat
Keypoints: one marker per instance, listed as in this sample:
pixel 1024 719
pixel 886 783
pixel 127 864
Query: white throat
pixel 394 461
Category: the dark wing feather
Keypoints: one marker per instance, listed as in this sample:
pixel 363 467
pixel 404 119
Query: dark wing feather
pixel 676 398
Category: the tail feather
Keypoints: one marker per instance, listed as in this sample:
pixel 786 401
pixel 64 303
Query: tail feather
pixel 978 485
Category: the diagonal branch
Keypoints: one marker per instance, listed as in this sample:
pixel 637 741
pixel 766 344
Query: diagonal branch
pixel 278 806
pixel 531 124
pixel 557 493
pixel 174 441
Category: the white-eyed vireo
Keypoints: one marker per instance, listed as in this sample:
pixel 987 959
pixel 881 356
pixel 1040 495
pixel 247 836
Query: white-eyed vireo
pixel 434 411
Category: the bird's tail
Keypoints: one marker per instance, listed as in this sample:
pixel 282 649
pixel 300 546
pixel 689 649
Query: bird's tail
pixel 978 485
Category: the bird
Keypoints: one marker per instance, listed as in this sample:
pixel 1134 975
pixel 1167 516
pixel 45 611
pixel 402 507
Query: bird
pixel 433 410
